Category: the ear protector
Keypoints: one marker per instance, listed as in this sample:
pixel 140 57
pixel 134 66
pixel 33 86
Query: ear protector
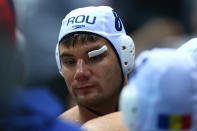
pixel 58 59
pixel 127 53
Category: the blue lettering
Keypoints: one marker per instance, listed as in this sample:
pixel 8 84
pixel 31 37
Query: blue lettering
pixel 94 19
pixel 71 20
pixel 118 22
pixel 77 20
pixel 81 19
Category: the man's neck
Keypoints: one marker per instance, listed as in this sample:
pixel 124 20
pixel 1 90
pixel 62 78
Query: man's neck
pixel 85 115
pixel 82 114
pixel 88 113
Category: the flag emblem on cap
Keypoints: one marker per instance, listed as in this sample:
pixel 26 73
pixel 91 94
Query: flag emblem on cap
pixel 174 122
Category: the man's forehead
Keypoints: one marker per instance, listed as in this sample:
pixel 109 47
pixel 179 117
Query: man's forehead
pixel 78 43
pixel 80 49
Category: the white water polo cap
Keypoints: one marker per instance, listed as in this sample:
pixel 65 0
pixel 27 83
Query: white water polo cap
pixel 162 93
pixel 103 21
pixel 190 47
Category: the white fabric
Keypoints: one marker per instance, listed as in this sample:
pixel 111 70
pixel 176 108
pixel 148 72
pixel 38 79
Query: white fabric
pixel 97 52
pixel 190 48
pixel 165 82
pixel 104 21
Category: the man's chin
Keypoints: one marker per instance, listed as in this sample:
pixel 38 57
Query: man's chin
pixel 89 100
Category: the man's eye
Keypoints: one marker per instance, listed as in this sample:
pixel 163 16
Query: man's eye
pixel 96 58
pixel 68 62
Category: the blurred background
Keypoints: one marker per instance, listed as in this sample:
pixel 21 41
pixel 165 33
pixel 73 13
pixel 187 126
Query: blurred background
pixel 151 23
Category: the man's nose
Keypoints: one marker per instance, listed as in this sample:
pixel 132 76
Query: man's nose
pixel 82 71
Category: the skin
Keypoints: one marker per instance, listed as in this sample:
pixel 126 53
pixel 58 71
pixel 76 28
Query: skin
pixel 92 82
pixel 110 122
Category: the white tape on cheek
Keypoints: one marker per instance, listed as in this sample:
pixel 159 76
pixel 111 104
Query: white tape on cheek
pixel 97 52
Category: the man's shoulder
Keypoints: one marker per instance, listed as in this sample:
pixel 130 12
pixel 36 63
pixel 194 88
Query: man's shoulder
pixel 109 122
pixel 70 114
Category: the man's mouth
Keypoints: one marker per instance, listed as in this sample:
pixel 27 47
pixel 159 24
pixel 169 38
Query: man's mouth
pixel 84 87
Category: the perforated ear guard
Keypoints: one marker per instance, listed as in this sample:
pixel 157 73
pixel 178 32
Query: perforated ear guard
pixel 57 56
pixel 127 53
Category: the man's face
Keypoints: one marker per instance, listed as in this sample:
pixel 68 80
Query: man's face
pixel 91 81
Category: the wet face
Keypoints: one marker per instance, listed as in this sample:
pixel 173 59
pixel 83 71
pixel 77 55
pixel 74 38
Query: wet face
pixel 91 80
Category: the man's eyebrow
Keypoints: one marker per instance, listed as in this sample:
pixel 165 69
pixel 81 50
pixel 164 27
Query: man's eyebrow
pixel 65 55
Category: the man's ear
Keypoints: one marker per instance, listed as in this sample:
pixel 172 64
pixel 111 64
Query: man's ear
pixel 125 80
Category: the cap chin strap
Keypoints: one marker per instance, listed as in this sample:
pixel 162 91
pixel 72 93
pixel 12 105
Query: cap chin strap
pixel 94 112
pixel 98 113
